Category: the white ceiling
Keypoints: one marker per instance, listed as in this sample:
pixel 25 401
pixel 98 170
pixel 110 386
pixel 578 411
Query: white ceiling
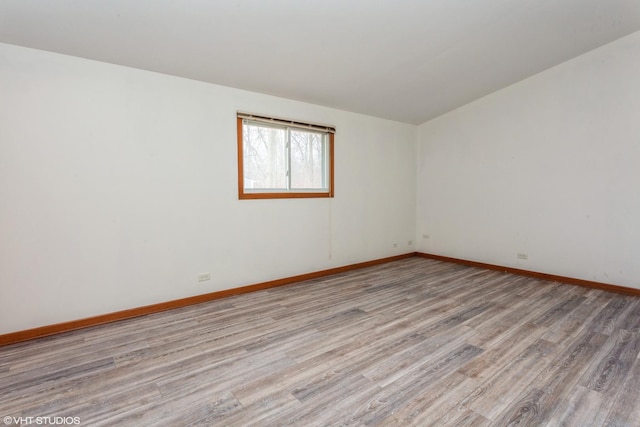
pixel 405 60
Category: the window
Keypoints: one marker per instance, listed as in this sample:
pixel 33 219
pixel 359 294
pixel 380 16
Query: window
pixel 283 159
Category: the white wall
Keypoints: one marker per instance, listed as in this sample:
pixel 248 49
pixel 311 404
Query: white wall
pixel 118 186
pixel 549 167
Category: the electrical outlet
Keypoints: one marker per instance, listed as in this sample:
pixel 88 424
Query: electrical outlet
pixel 395 245
pixel 426 236
pixel 410 242
pixel 522 256
pixel 204 277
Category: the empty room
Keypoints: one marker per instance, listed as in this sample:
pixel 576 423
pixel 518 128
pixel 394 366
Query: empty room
pixel 320 213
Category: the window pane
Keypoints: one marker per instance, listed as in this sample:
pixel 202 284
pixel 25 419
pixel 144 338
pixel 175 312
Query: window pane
pixel 265 157
pixel 307 160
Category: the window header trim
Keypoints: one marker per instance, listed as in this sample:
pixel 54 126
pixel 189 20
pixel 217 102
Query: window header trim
pixel 285 122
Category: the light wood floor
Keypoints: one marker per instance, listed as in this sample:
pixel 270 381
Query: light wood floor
pixel 413 342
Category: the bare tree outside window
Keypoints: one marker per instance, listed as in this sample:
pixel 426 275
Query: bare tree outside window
pixel 307 169
pixel 265 160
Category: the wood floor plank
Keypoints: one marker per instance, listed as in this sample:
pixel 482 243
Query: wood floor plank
pixel 503 324
pixel 515 376
pixel 336 385
pixel 425 351
pixel 401 392
pixel 468 418
pixel 626 411
pixel 584 407
pixel 568 327
pixel 272 406
pixel 613 366
pixel 292 379
pixel 414 342
pixel 503 352
pixel 435 404
pixel 615 311
pixel 556 383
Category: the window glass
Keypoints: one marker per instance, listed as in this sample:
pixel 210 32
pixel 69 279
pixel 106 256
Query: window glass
pixel 280 159
pixel 265 157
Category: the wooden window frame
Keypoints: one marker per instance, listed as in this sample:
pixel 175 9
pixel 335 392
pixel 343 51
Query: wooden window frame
pixel 282 194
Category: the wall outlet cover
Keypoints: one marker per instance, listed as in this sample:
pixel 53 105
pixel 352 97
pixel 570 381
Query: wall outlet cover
pixel 204 277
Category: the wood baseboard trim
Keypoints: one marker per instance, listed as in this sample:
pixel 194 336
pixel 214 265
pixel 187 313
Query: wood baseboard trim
pixel 44 331
pixel 544 276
